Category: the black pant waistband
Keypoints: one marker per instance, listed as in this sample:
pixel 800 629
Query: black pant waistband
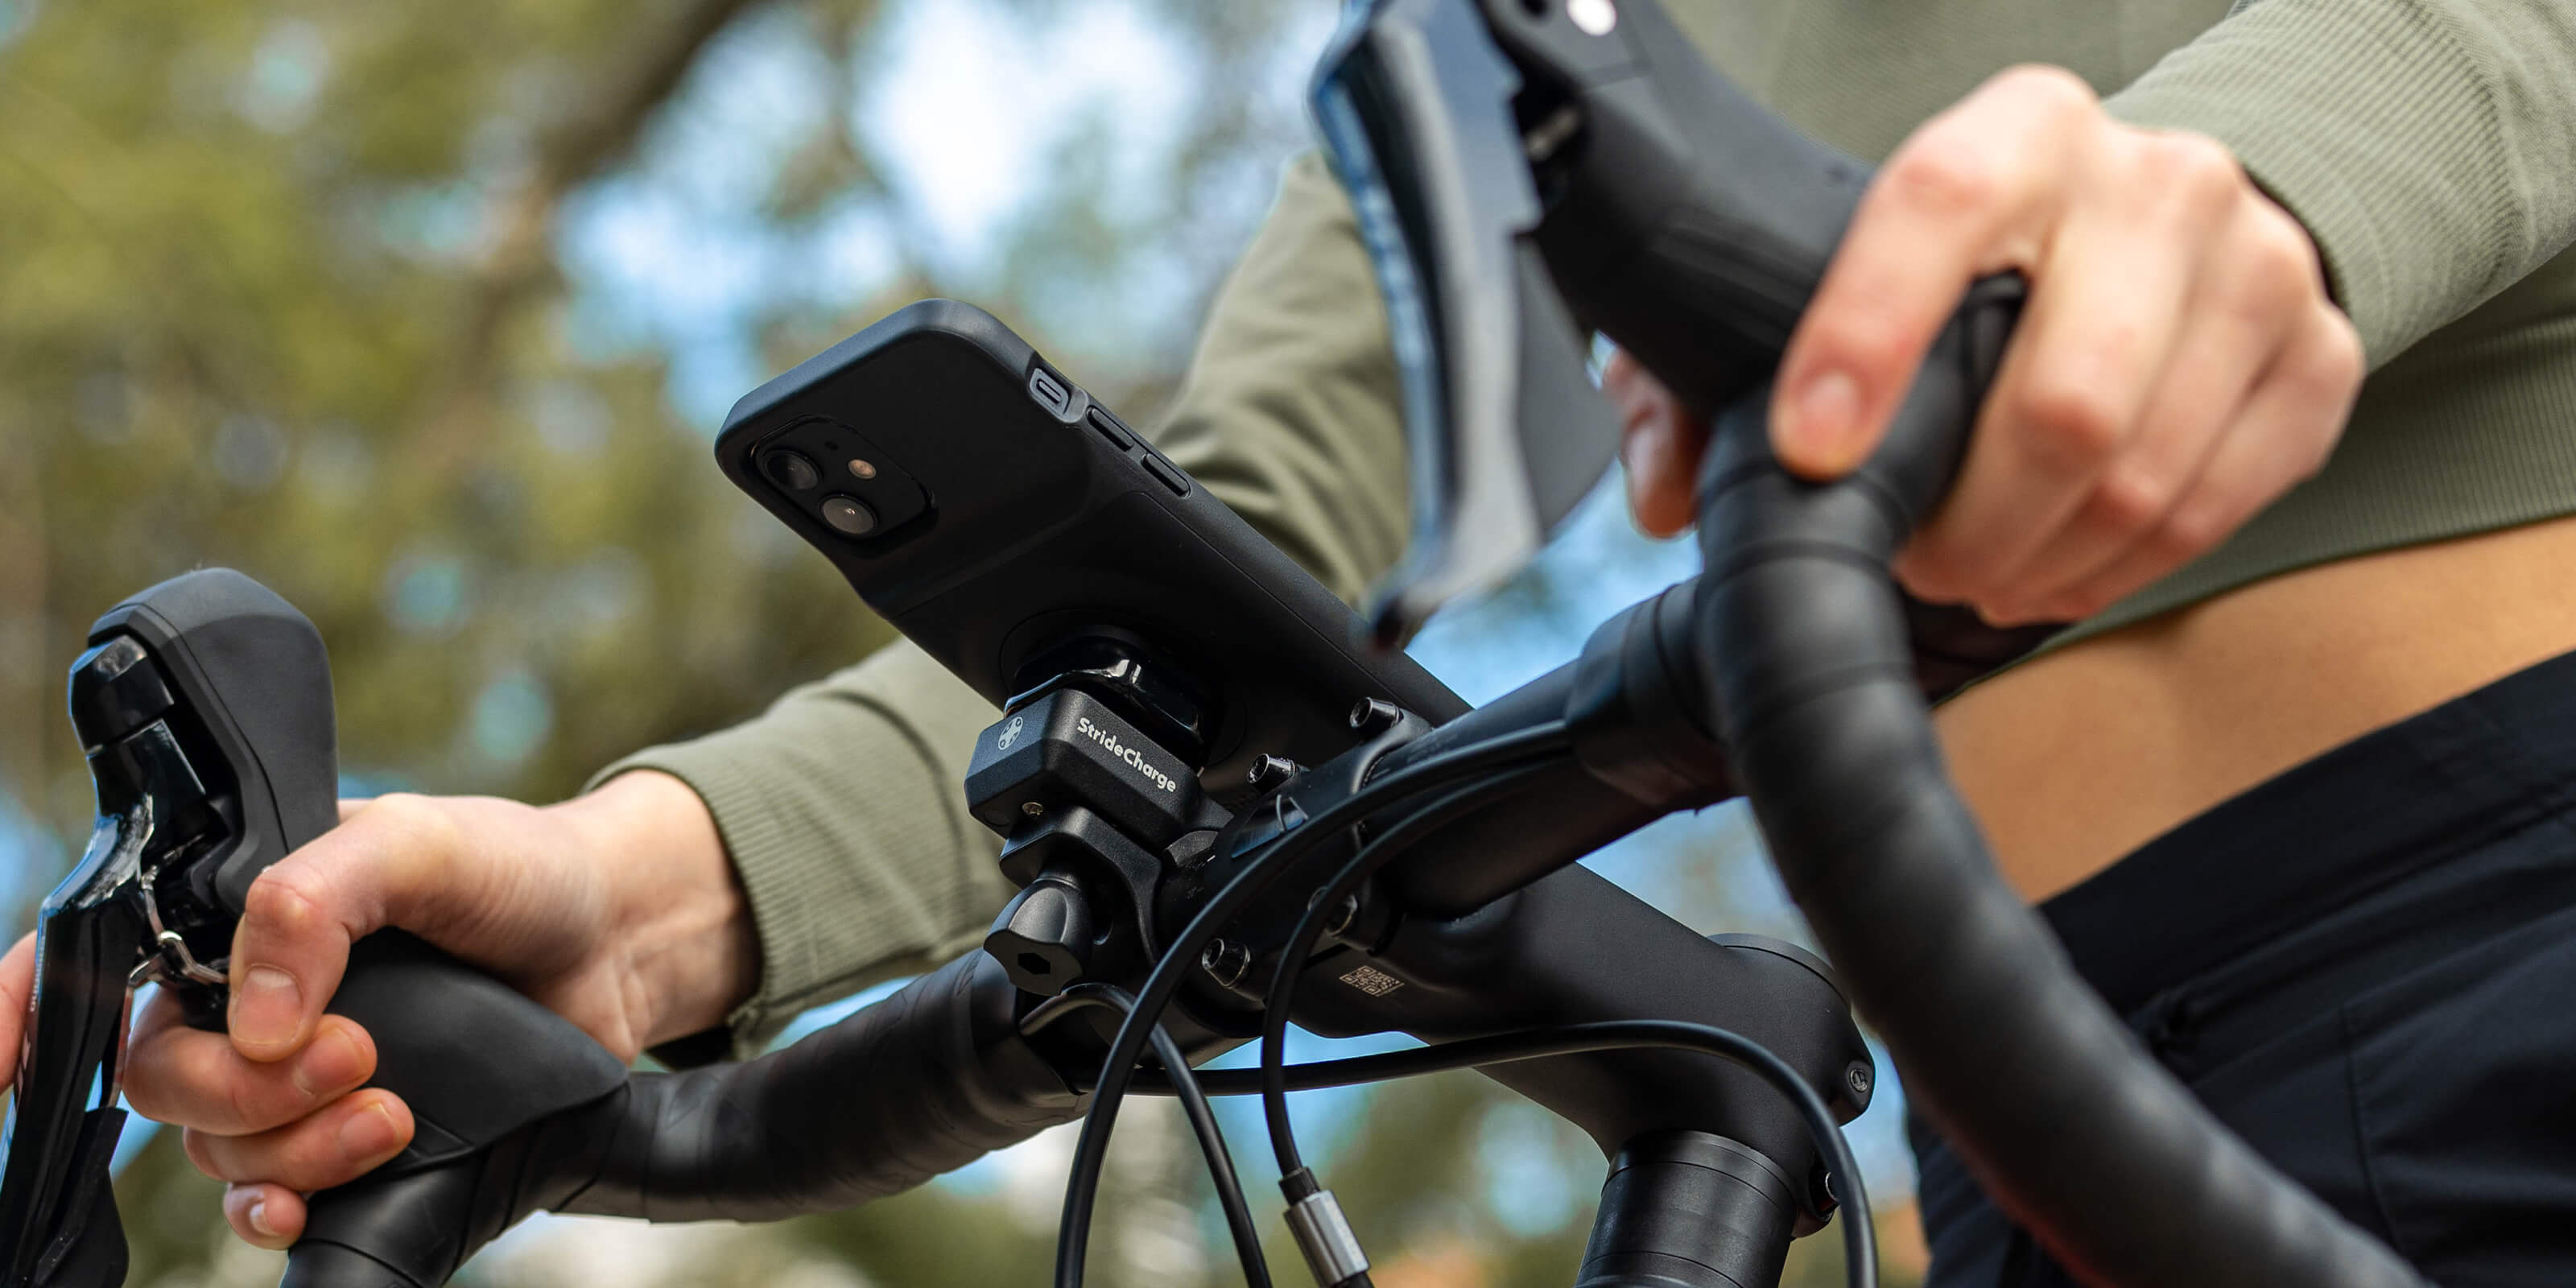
pixel 2332 835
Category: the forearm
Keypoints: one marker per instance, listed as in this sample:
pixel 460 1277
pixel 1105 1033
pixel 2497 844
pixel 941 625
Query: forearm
pixel 2429 146
pixel 840 810
pixel 689 954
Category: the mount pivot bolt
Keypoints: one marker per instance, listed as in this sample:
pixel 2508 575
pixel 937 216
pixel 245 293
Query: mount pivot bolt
pixel 1269 771
pixel 1374 716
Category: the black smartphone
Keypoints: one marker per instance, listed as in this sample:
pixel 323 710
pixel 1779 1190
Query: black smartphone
pixel 983 503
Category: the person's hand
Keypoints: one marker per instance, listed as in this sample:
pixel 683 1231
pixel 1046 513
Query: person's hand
pixel 617 909
pixel 2178 365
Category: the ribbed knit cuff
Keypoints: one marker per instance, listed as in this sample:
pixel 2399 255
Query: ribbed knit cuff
pixel 2375 124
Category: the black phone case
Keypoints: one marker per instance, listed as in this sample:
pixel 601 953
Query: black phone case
pixel 1014 512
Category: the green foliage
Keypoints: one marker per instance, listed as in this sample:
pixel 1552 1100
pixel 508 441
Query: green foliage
pixel 277 294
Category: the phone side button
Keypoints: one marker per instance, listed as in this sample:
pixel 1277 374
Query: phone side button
pixel 1110 429
pixel 1168 473
pixel 1052 394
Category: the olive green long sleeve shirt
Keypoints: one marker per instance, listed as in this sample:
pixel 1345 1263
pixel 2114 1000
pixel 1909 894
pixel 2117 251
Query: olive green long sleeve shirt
pixel 2429 147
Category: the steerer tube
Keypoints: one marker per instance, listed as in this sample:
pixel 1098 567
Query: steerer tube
pixel 1686 1209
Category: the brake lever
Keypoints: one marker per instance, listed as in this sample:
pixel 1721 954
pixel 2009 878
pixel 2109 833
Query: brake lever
pixel 195 797
pixel 1415 103
pixel 55 1201
pixel 1525 173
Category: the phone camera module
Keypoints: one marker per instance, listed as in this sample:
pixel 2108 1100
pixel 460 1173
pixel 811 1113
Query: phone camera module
pixel 848 515
pixel 794 471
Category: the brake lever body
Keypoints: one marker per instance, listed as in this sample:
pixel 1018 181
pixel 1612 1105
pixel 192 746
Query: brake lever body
pixel 204 707
pixel 1524 174
pixel 189 811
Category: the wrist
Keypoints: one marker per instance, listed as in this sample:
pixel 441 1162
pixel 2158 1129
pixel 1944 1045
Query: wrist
pixel 680 921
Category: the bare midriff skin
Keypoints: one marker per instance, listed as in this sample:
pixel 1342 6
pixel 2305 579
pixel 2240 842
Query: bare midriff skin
pixel 2081 756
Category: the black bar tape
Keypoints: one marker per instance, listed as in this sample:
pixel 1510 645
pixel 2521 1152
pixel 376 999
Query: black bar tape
pixel 924 1082
pixel 2074 1130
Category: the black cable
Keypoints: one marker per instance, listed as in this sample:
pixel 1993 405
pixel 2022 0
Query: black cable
pixel 1842 1168
pixel 1082 1190
pixel 1194 1105
pixel 1278 999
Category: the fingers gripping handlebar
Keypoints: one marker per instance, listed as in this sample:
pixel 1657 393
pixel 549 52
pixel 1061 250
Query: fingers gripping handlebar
pixel 205 707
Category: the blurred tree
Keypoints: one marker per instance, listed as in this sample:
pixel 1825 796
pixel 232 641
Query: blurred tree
pixel 283 286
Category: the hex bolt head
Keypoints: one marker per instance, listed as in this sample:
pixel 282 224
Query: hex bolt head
pixel 1857 1078
pixel 1225 961
pixel 1374 716
pixel 1269 771
pixel 1343 916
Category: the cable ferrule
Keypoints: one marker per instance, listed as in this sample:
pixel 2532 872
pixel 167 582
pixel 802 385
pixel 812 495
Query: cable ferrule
pixel 1324 1235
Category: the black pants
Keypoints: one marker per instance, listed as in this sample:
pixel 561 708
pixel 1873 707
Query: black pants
pixel 2367 968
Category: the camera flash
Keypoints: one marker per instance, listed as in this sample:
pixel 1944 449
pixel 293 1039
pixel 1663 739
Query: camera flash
pixel 861 469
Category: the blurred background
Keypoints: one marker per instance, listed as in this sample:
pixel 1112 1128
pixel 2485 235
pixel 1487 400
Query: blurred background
pixel 425 315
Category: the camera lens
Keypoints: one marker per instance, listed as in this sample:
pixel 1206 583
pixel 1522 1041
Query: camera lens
pixel 791 470
pixel 849 515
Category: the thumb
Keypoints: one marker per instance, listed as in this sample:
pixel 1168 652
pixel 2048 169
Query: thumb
pixel 1817 428
pixel 17 983
pixel 301 916
pixel 1661 442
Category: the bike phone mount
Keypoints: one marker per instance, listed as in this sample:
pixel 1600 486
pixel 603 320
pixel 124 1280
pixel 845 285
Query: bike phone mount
pixel 1115 843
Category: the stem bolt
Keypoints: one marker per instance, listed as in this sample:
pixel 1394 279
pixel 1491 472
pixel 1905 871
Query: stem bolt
pixel 1857 1077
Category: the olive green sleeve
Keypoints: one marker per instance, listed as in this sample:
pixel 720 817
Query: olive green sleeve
pixel 1291 412
pixel 2429 146
pixel 841 806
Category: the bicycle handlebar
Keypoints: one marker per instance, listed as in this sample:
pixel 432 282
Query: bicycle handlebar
pixel 922 1082
pixel 926 1081
pixel 2079 1134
